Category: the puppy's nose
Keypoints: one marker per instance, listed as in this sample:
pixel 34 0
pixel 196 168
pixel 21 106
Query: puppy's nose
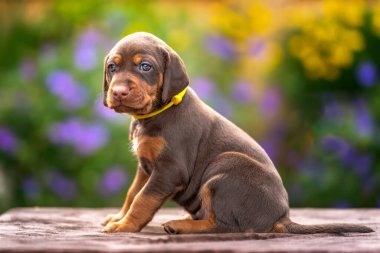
pixel 120 92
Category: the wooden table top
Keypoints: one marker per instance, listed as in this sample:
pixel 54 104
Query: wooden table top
pixel 79 230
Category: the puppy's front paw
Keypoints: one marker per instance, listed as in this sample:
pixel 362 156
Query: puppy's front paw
pixel 112 218
pixel 113 227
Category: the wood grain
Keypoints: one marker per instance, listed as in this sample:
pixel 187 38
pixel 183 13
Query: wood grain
pixel 78 230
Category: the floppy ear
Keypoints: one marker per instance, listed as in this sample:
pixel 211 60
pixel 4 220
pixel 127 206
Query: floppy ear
pixel 175 76
pixel 105 82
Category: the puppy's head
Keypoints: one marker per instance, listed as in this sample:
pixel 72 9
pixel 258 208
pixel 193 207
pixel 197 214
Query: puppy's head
pixel 141 74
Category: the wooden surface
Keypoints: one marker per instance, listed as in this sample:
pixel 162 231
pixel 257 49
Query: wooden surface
pixel 78 230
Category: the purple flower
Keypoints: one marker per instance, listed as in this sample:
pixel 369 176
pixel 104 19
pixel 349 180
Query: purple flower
pixel 271 102
pixel 369 184
pixel 30 188
pixel 93 137
pixel 337 145
pixel 270 145
pixel 61 185
pixel 27 69
pixel 86 138
pixel 63 85
pixel 361 164
pixel 113 181
pixel 366 73
pixel 8 141
pixel 86 55
pixel 65 132
pixel 242 92
pixel 203 87
pixel 363 119
pixel 257 48
pixel 220 46
pixel 342 204
pixel 272 142
pixel 349 156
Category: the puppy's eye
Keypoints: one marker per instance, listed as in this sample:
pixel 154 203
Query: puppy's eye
pixel 145 66
pixel 112 67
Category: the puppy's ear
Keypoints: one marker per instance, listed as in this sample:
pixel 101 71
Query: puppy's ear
pixel 175 76
pixel 105 82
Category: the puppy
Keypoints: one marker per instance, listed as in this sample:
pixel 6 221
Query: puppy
pixel 189 153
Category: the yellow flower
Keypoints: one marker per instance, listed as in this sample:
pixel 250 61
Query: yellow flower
pixel 274 54
pixel 230 23
pixel 315 67
pixel 301 47
pixel 260 17
pixel 298 17
pixel 324 33
pixel 340 55
pixel 327 43
pixel 332 9
pixel 240 20
pixel 349 12
pixel 353 12
pixel 353 38
pixel 376 19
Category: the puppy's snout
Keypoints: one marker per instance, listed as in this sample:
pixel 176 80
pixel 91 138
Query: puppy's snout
pixel 120 92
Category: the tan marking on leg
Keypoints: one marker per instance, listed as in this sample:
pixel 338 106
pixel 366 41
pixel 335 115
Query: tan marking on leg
pixel 138 183
pixel 280 225
pixel 188 226
pixel 142 210
pixel 150 147
pixel 279 228
pixel 140 213
pixel 206 195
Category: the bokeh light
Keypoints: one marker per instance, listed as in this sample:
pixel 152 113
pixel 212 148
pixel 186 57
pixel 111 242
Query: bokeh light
pixel 301 77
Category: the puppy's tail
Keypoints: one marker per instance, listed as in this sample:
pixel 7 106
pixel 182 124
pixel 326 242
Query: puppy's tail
pixel 285 225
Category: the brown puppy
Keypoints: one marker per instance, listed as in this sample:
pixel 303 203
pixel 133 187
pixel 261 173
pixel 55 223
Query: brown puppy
pixel 190 153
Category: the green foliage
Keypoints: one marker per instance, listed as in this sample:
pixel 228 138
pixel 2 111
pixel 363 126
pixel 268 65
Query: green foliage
pixel 334 123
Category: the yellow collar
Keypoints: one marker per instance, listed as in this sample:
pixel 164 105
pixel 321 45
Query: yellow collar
pixel 175 101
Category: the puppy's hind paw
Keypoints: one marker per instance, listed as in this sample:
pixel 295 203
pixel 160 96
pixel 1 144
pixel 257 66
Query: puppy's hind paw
pixel 170 228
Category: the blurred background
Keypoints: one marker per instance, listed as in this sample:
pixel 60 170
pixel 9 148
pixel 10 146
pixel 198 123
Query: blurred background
pixel 301 77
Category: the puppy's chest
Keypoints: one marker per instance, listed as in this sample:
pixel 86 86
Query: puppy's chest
pixel 145 146
pixel 135 144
